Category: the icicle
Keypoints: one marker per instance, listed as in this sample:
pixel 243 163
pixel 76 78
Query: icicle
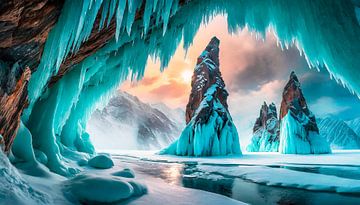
pixel 119 17
pixel 166 14
pixel 147 14
pixel 104 13
pixel 112 10
pixel 132 7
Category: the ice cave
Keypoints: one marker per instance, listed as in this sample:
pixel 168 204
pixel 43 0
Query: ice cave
pixel 61 65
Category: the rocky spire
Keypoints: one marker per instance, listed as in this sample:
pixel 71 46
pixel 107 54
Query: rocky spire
pixel 206 74
pixel 265 131
pixel 210 129
pixel 293 100
pixel 299 133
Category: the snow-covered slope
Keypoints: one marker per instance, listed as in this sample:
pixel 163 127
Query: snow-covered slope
pixel 210 130
pixel 266 131
pixel 128 123
pixel 338 134
pixel 355 125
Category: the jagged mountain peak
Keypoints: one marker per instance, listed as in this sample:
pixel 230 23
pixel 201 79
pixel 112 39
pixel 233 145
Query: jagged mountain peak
pixel 141 125
pixel 207 74
pixel 266 130
pixel 299 132
pixel 293 76
pixel 210 129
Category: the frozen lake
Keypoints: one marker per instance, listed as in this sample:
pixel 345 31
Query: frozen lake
pixel 225 178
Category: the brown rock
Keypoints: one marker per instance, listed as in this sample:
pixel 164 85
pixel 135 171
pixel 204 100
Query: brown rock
pixel 12 106
pixel 205 75
pixel 268 115
pixel 293 100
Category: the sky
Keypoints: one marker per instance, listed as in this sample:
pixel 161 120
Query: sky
pixel 254 70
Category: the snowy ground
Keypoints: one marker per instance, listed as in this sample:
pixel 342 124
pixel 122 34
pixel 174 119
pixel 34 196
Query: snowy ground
pixel 256 178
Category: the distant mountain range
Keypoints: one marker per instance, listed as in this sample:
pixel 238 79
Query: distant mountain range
pixel 128 123
pixel 355 125
pixel 340 134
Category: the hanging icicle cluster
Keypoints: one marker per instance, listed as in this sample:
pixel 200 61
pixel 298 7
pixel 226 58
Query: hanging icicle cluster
pixel 57 116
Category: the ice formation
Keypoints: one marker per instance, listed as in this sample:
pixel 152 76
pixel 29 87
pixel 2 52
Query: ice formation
pixel 266 131
pixel 299 133
pixel 210 130
pixel 57 115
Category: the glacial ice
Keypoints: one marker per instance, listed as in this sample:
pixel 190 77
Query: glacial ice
pixel 215 137
pixel 295 139
pixel 262 141
pixel 327 32
pixel 22 146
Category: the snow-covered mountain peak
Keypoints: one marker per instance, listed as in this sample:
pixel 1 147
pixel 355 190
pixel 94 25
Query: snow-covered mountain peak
pixel 130 123
pixel 339 134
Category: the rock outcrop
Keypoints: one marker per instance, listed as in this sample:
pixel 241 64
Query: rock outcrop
pixel 13 101
pixel 210 129
pixel 299 133
pixel 265 131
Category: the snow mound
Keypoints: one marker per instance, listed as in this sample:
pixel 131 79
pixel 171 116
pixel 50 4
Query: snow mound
pixel 89 188
pixel 127 173
pixel 14 189
pixel 101 161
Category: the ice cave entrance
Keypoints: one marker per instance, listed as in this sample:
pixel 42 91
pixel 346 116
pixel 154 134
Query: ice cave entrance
pixel 149 114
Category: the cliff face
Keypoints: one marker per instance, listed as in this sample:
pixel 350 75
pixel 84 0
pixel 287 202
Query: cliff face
pixel 12 105
pixel 210 129
pixel 24 27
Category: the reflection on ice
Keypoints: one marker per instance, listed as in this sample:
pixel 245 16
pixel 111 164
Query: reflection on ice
pixel 214 179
